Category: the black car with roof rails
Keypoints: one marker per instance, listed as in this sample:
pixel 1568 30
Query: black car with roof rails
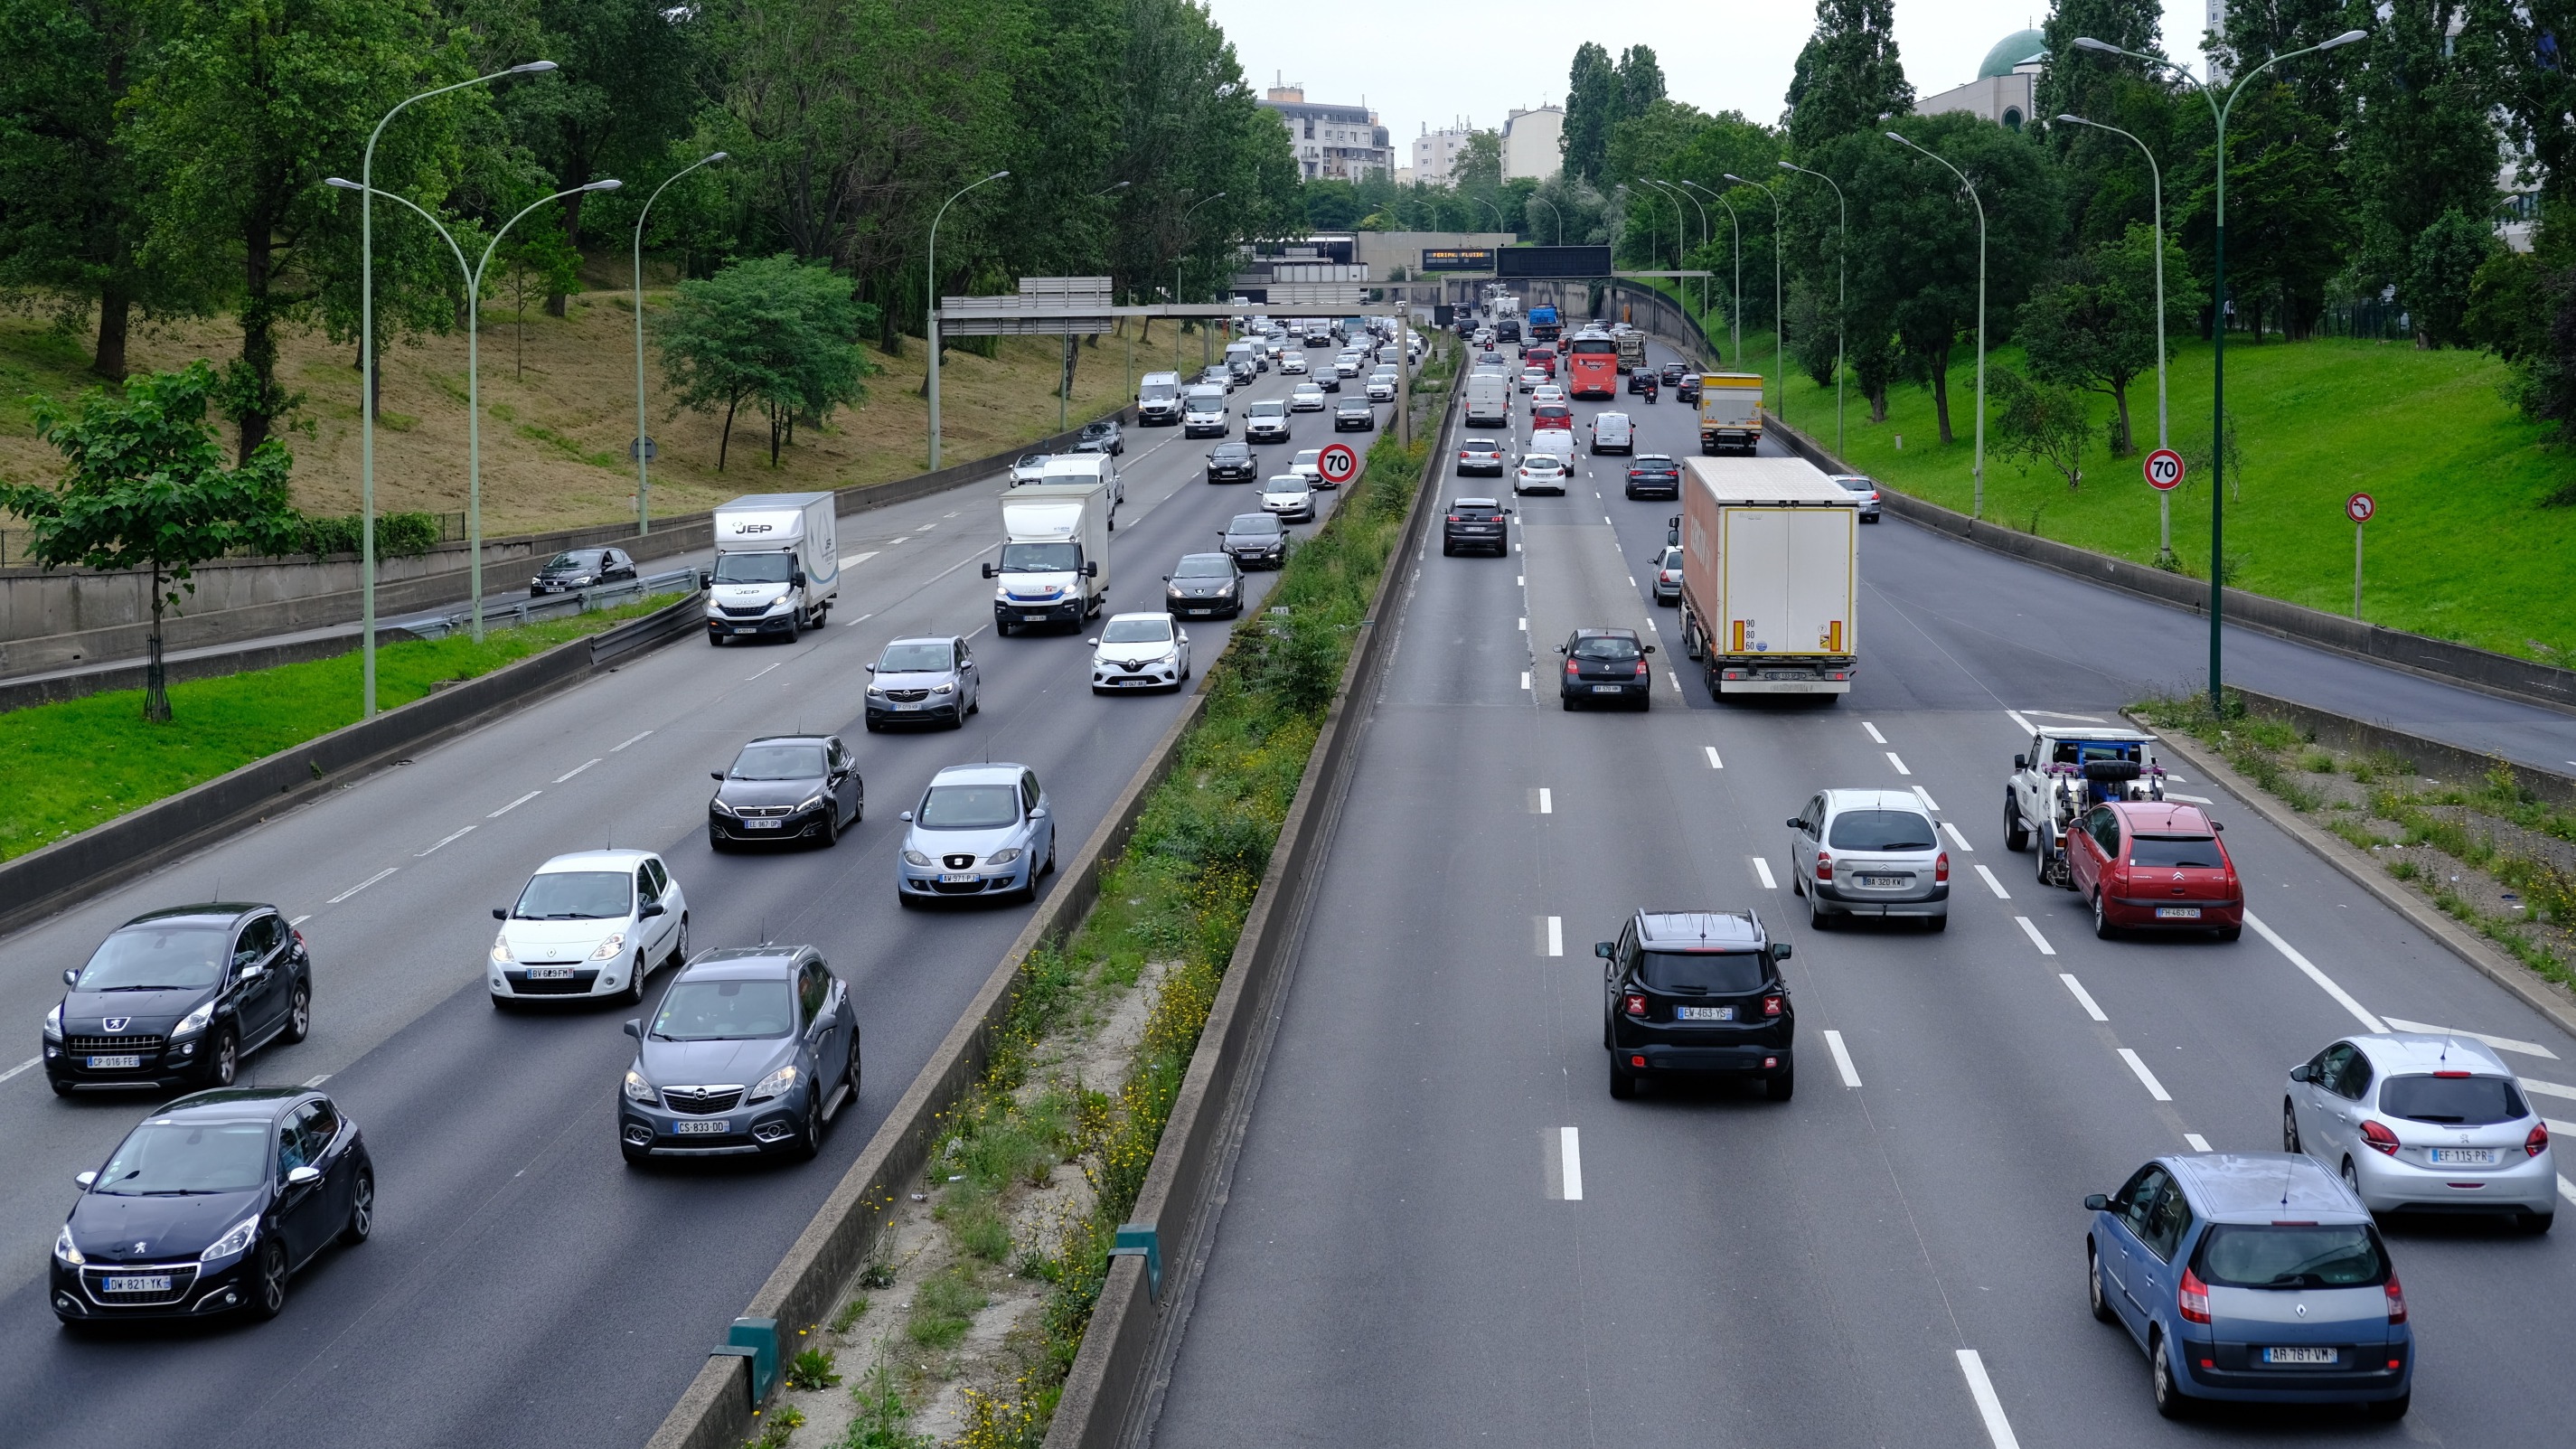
pixel 1654 475
pixel 1204 586
pixel 1232 462
pixel 177 997
pixel 1697 993
pixel 210 1205
pixel 1605 666
pixel 1480 456
pixel 751 1051
pixel 581 568
pixel 1476 523
pixel 1687 390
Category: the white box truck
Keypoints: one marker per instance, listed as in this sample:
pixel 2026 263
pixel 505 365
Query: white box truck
pixel 777 568
pixel 1054 567
pixel 1489 400
pixel 1770 576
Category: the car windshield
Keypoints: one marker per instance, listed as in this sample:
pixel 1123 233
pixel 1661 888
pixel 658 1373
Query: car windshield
pixel 1156 630
pixel 1231 452
pixel 1040 558
pixel 1032 460
pixel 157 957
pixel 1266 410
pixel 918 658
pixel 1605 647
pixel 778 762
pixel 2291 1255
pixel 576 895
pixel 1715 973
pixel 753 568
pixel 1310 457
pixel 1156 392
pixel 725 1011
pixel 970 807
pixel 1204 566
pixel 2175 850
pixel 1881 830
pixel 2452 1101
pixel 164 1158
pixel 568 562
pixel 1253 523
pixel 1288 483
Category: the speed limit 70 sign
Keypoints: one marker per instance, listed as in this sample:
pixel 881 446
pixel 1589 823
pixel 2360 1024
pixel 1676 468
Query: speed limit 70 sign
pixel 2164 470
pixel 1339 464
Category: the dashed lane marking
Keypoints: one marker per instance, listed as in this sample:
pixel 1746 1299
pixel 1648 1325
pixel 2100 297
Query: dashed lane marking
pixel 630 739
pixel 513 805
pixel 1874 735
pixel 2036 938
pixel 1714 762
pixel 362 885
pixel 1956 838
pixel 1994 885
pixel 31 1061
pixel 1525 679
pixel 748 678
pixel 2500 1043
pixel 2026 726
pixel 1989 1407
pixel 1762 868
pixel 1928 802
pixel 317 1079
pixel 448 840
pixel 2083 997
pixel 577 769
pixel 1556 935
pixel 2155 1088
pixel 2196 1142
pixel 1899 764
pixel 1842 1058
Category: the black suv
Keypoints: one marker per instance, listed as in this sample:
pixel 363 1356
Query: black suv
pixel 1476 523
pixel 1654 475
pixel 1232 462
pixel 1697 992
pixel 1480 455
pixel 1673 373
pixel 178 997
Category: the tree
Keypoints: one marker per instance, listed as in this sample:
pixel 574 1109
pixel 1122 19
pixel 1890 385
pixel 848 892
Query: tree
pixel 2521 50
pixel 2288 208
pixel 144 486
pixel 1478 166
pixel 2441 265
pixel 2522 308
pixel 2091 323
pixel 2108 186
pixel 1591 109
pixel 2421 146
pixel 1848 77
pixel 2037 422
pixel 1641 81
pixel 772 331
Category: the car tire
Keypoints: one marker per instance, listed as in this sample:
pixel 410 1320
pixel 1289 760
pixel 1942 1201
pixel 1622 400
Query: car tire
pixel 503 1004
pixel 2352 1180
pixel 633 995
pixel 2289 1127
pixel 1448 549
pixel 362 1208
pixel 299 1014
pixel 2390 1410
pixel 1784 1086
pixel 1001 627
pixel 1623 1087
pixel 268 1286
pixel 2171 1401
pixel 903 898
pixel 715 837
pixel 223 1064
pixel 2102 1312
pixel 2229 933
pixel 2016 829
pixel 1937 924
pixel 2538 1223
pixel 1818 918
pixel 2103 927
pixel 1049 867
pixel 831 828
pixel 810 1141
pixel 679 944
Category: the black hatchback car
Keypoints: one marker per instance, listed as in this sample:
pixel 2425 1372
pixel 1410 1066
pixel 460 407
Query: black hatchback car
pixel 581 568
pixel 177 997
pixel 1654 475
pixel 1673 373
pixel 1605 666
pixel 1687 390
pixel 1105 436
pixel 1697 993
pixel 1476 523
pixel 1255 540
pixel 1232 462
pixel 1204 586
pixel 209 1207
pixel 787 787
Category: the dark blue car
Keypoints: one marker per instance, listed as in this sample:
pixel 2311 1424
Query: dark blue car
pixel 2255 1277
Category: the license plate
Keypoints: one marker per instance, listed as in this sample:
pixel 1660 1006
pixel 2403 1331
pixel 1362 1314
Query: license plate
pixel 967 878
pixel 2298 1355
pixel 2177 913
pixel 760 825
pixel 1883 882
pixel 1703 1013
pixel 1033 618
pixel 1608 688
pixel 2465 1156
pixel 549 973
pixel 109 1064
pixel 703 1127
pixel 746 631
pixel 900 705
pixel 139 1283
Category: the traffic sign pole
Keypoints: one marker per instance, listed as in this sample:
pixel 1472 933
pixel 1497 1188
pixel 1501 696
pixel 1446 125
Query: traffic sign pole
pixel 2359 508
pixel 2164 470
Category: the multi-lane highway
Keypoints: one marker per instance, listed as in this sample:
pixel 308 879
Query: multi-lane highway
pixel 1441 1230
pixel 524 1287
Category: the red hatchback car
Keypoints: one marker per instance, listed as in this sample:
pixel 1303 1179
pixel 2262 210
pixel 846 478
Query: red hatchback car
pixel 2155 865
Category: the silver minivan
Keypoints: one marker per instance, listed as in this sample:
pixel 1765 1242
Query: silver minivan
pixel 1869 853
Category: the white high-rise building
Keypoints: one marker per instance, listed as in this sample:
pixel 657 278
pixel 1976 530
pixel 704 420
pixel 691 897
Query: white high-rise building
pixel 1534 143
pixel 1339 141
pixel 1435 153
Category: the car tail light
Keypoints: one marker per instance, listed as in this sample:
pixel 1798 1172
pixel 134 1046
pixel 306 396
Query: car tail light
pixel 2379 1139
pixel 1641 669
pixel 1941 869
pixel 1771 1005
pixel 1824 865
pixel 2193 1299
pixel 2538 1142
pixel 2396 1304
pixel 1453 518
pixel 1573 668
pixel 1636 1003
pixel 2463 1076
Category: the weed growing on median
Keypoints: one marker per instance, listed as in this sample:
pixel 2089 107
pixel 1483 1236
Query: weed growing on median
pixel 884 1421
pixel 848 1317
pixel 812 1369
pixel 944 1308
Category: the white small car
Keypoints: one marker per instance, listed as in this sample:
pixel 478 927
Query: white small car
pixel 1540 473
pixel 1290 496
pixel 1292 364
pixel 1309 465
pixel 1139 651
pixel 592 924
pixel 1347 365
pixel 1546 392
pixel 1381 385
pixel 1613 433
pixel 1306 398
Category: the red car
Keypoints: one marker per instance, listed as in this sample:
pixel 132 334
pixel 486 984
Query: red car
pixel 2155 865
pixel 1542 358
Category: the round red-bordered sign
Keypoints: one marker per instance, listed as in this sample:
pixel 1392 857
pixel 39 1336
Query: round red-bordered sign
pixel 1339 464
pixel 2359 507
pixel 2164 470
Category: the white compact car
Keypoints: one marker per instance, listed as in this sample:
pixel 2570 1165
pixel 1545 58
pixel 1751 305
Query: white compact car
pixel 1309 465
pixel 1292 364
pixel 1307 398
pixel 1540 473
pixel 1140 651
pixel 1546 392
pixel 1290 496
pixel 2424 1122
pixel 592 924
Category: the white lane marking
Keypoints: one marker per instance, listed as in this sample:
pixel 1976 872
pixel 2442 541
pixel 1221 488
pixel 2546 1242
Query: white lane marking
pixel 2083 997
pixel 1989 1407
pixel 854 623
pixel 2341 996
pixel 1928 802
pixel 2547 1089
pixel 1899 764
pixel 1842 1058
pixel 980 628
pixel 2194 799
pixel 1546 801
pixel 2155 1088
pixel 2061 714
pixel 925 528
pixel 317 1079
pixel 513 805
pixel 1650 627
pixel 1632 578
pixel 2036 938
pixel 1520 581
pixel 2566 1189
pixel 630 739
pixel 459 835
pixel 748 678
pixel 1994 885
pixel 951 514
pixel 31 1061
pixel 1524 679
pixel 1714 762
pixel 2177 779
pixel 1762 868
pixel 2016 718
pixel 1675 678
pixel 2197 1142
pixel 1556 935
pixel 856 559
pixel 362 885
pixel 1569 1156
pixel 299 920
pixel 1524 624
pixel 1874 735
pixel 1956 838
pixel 2500 1043
pixel 575 770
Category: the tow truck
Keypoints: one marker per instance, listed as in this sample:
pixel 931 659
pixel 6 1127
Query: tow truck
pixel 2067 771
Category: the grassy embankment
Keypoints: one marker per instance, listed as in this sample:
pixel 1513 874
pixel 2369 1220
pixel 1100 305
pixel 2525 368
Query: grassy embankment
pixel 117 762
pixel 2462 548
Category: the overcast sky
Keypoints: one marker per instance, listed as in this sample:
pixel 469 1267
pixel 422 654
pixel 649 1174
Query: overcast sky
pixel 1414 61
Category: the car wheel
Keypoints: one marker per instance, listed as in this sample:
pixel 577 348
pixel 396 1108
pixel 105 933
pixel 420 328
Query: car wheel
pixel 1817 917
pixel 268 1284
pixel 1001 627
pixel 903 898
pixel 2093 1286
pixel 1049 867
pixel 299 1014
pixel 2171 1402
pixel 2102 926
pixel 2289 1127
pixel 2538 1223
pixel 2016 829
pixel 633 995
pixel 1622 1086
pixel 2391 1410
pixel 503 1004
pixel 679 944
pixel 1937 924
pixel 831 828
pixel 2352 1180
pixel 225 1063
pixel 810 1140
pixel 1448 549
pixel 362 1208
pixel 2229 933
pixel 1784 1086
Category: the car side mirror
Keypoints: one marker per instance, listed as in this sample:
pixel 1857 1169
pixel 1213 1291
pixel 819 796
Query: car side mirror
pixel 2303 1072
pixel 711 774
pixel 650 910
pixel 1649 648
pixel 1093 640
pixel 706 578
pixel 2215 826
pixel 1781 951
pixel 71 976
pixel 635 1027
pixel 1185 636
pixel 1796 824
pixel 500 913
pixel 1091 569
pixel 988 571
pixel 1604 949
pixel 84 1178
pixel 2095 1202
pixel 1039 813
pixel 253 972
pixel 870 668
pixel 303 1176
pixel 796 578
pixel 903 815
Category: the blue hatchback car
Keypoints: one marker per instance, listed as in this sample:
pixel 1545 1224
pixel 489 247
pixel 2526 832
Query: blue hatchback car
pixel 2256 1277
pixel 981 830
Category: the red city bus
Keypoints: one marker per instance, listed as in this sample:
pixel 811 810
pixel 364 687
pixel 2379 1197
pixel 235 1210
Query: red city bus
pixel 1592 368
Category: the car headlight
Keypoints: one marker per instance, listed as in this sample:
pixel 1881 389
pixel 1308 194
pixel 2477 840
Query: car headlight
pixel 54 1023
pixel 778 603
pixel 638 1089
pixel 943 689
pixel 501 949
pixel 1003 857
pixel 64 1250
pixel 615 943
pixel 720 807
pixel 235 1241
pixel 875 693
pixel 777 1083
pixel 195 1021
pixel 915 857
pixel 579 582
pixel 810 801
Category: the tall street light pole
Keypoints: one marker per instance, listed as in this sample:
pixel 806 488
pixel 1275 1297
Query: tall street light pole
pixel 1978 510
pixel 2164 439
pixel 2218 324
pixel 1552 211
pixel 367 382
pixel 1735 310
pixel 1842 268
pixel 931 283
pixel 644 444
pixel 1703 233
pixel 1779 319
pixel 1178 257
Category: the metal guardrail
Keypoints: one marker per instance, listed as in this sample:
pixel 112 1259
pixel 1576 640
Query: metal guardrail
pixel 579 601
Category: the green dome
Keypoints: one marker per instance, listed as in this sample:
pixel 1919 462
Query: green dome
pixel 2011 51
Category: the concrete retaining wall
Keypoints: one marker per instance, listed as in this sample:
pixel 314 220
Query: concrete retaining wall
pixel 2429 757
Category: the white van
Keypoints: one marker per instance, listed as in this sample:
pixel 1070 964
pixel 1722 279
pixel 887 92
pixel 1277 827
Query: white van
pixel 1558 441
pixel 1086 468
pixel 1489 400
pixel 1158 399
pixel 1203 412
pixel 1613 433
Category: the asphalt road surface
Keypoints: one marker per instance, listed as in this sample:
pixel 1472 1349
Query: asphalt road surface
pixel 1442 1231
pixel 524 1287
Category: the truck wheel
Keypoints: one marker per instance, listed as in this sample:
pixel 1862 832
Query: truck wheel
pixel 1002 627
pixel 2016 830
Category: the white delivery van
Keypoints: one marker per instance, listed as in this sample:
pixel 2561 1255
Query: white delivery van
pixel 1559 441
pixel 777 568
pixel 1203 412
pixel 1086 468
pixel 1054 567
pixel 1489 400
pixel 1158 399
pixel 1613 433
pixel 1770 576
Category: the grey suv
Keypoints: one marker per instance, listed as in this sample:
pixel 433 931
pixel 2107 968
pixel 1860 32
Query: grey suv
pixel 751 1051
pixel 923 681
pixel 1869 853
